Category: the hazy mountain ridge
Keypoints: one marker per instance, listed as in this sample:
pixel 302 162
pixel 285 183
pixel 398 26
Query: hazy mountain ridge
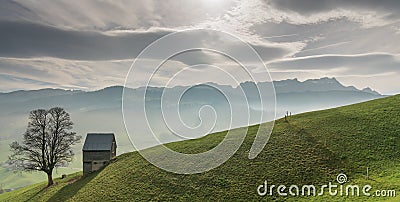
pixel 23 95
pixel 322 84
pixel 101 110
pixel 291 95
pixel 281 86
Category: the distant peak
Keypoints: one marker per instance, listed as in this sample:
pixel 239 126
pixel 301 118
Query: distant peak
pixel 328 79
pixel 294 79
pixel 113 87
pixel 333 78
pixel 369 90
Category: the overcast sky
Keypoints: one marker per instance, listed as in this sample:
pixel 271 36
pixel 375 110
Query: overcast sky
pixel 91 44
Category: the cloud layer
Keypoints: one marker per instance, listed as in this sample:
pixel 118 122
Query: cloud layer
pixel 91 44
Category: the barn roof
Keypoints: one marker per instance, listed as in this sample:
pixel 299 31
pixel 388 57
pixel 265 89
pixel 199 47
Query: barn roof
pixel 98 142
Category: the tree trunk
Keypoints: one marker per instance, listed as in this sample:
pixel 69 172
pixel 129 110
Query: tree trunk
pixel 50 179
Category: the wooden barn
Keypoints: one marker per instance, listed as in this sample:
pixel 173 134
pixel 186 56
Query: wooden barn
pixel 98 150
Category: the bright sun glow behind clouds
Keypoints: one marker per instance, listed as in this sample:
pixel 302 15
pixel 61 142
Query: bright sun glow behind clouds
pixel 295 38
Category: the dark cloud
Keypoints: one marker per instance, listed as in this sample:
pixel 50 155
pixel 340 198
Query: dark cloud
pixel 270 52
pixel 317 6
pixel 13 11
pixel 22 39
pixel 25 40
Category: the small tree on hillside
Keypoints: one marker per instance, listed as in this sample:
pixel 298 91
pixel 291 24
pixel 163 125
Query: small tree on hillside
pixel 46 143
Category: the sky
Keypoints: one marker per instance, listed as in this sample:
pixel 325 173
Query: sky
pixel 90 44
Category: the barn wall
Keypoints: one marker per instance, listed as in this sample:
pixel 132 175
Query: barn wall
pixel 94 160
pixel 96 155
pixel 87 167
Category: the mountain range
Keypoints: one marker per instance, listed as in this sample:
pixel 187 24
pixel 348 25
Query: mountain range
pixel 100 110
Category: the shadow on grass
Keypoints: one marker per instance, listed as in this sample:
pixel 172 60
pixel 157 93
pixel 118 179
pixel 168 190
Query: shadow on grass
pixel 32 197
pixel 71 189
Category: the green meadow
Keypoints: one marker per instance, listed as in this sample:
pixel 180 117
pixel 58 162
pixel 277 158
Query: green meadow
pixel 310 148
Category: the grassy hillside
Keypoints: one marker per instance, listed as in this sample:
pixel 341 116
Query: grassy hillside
pixel 312 148
pixel 11 179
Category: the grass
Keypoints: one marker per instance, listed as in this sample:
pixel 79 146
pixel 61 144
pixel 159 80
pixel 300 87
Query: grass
pixel 312 148
pixel 15 180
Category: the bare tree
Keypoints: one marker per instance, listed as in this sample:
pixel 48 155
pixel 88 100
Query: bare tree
pixel 46 143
